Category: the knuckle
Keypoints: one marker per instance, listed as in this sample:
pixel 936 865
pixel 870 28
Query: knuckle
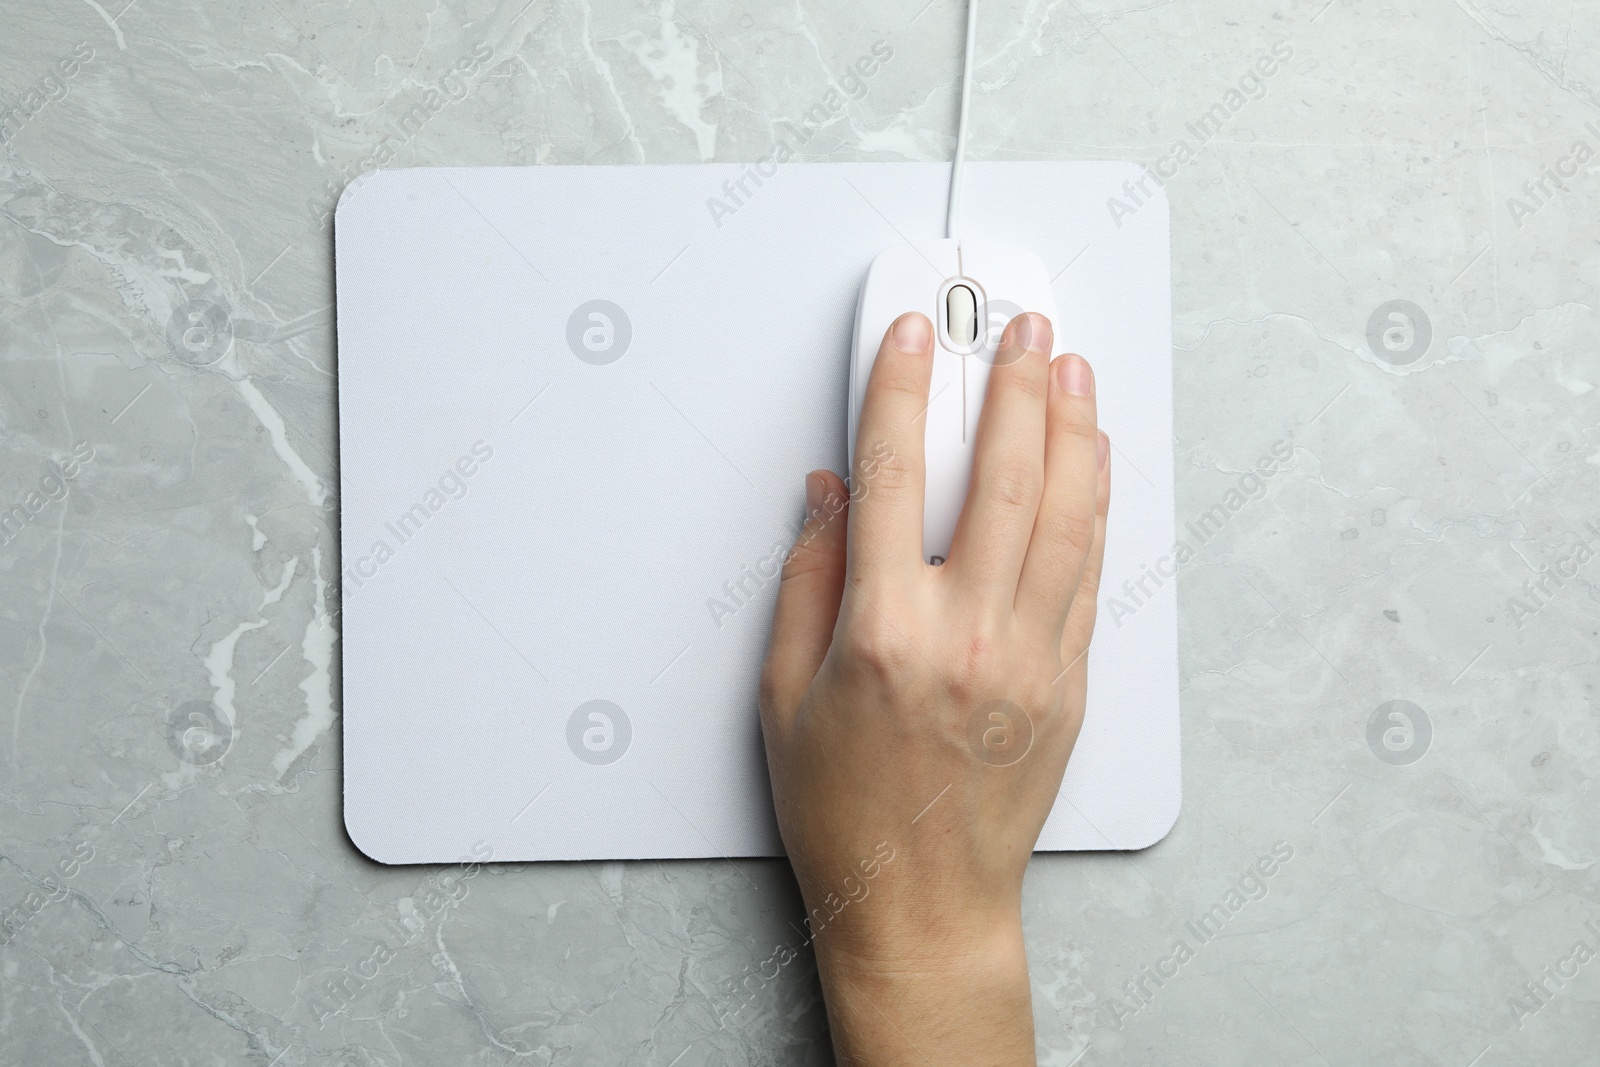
pixel 976 668
pixel 1073 533
pixel 1013 482
pixel 1072 427
pixel 1036 698
pixel 894 475
pixel 806 558
pixel 1055 562
pixel 877 648
pixel 1026 379
pixel 801 569
pixel 801 559
pixel 901 377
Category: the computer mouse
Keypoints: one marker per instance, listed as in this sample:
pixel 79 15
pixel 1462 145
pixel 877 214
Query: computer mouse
pixel 970 288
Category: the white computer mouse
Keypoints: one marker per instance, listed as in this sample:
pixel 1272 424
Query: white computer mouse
pixel 970 288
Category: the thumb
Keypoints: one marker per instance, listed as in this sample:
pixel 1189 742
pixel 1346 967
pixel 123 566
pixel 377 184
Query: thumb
pixel 808 597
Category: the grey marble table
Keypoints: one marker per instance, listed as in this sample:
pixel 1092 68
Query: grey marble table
pixel 1385 260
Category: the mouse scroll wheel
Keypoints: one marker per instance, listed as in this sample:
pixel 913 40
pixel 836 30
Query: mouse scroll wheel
pixel 961 311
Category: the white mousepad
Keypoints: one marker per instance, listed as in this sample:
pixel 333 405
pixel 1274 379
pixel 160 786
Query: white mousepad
pixel 576 407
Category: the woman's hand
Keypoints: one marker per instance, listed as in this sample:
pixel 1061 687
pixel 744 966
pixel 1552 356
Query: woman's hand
pixel 918 719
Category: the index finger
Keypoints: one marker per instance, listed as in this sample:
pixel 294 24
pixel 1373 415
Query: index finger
pixel 886 516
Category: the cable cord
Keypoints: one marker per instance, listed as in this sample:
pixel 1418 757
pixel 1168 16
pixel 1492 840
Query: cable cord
pixel 952 225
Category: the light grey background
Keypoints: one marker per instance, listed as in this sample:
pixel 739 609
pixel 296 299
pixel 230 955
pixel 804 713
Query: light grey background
pixel 214 912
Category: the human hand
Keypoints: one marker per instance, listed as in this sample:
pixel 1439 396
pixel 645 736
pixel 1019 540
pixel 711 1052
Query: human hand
pixel 918 719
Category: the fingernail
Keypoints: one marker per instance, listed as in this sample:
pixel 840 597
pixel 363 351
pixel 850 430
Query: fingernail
pixel 815 492
pixel 911 333
pixel 1102 449
pixel 1022 332
pixel 1032 332
pixel 1074 376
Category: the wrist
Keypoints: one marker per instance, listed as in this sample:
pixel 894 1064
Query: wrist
pixel 887 940
pixel 956 993
pixel 901 912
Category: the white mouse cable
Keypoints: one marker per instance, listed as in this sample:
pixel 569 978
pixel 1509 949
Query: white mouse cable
pixel 952 226
pixel 952 218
